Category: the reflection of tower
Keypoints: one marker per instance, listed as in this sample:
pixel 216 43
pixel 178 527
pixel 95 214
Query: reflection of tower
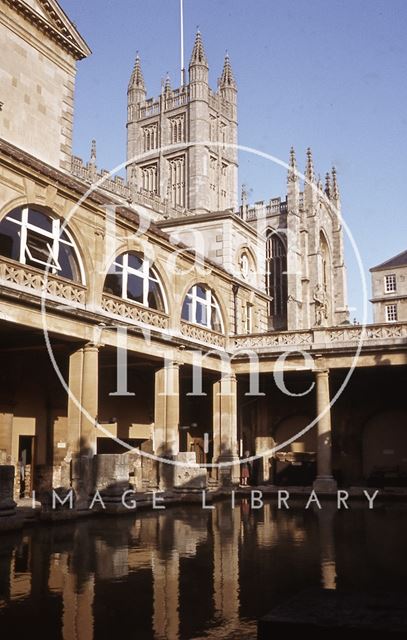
pixel 226 530
pixel 326 518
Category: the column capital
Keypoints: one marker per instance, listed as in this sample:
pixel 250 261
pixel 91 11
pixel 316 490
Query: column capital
pixel 321 372
pixel 91 346
pixel 228 376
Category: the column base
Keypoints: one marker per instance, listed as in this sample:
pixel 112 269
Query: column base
pixel 325 484
pixel 228 474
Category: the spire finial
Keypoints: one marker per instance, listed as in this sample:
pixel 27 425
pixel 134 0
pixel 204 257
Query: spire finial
pixel 167 84
pixel 227 78
pixel 136 78
pixel 335 188
pixel 93 152
pixel 198 56
pixel 309 169
pixel 292 167
pixel 328 184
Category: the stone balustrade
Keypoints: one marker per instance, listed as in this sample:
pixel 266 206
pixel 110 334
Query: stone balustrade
pixel 20 277
pixel 202 335
pixel 321 337
pixel 134 312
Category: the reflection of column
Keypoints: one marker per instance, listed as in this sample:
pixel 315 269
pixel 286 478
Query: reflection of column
pixel 166 596
pixel 264 441
pixel 77 614
pixel 166 410
pixel 226 530
pixel 324 480
pixel 225 426
pixel 90 390
pixel 326 517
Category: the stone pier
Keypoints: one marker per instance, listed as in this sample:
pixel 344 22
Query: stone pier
pixel 8 516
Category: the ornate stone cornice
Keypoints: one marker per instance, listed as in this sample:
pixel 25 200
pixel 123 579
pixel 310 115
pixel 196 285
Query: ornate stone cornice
pixel 62 31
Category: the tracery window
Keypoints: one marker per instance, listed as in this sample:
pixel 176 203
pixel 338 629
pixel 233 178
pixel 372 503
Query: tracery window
pixel 276 279
pixel 150 137
pixel 149 178
pixel 177 181
pixel 40 240
pixel 177 125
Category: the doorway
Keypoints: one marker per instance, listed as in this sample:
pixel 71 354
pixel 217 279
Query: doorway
pixel 25 466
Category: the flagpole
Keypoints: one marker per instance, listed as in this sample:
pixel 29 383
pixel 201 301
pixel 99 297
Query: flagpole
pixel 181 14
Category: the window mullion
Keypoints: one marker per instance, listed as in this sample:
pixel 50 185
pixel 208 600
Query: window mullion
pixel 208 308
pixel 145 272
pixel 193 299
pixel 23 237
pixel 55 243
pixel 125 272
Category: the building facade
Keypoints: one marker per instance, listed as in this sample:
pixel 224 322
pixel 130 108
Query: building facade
pixel 389 289
pixel 152 320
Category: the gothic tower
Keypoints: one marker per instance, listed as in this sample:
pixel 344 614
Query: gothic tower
pixel 180 146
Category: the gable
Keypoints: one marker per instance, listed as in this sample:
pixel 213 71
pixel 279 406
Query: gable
pixel 400 260
pixel 49 17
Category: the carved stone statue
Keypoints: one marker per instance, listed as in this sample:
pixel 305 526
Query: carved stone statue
pixel 321 305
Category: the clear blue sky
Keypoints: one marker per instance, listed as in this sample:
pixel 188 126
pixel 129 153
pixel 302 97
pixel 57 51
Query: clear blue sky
pixel 330 74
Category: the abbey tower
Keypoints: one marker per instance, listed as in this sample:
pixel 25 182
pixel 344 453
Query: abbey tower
pixel 178 144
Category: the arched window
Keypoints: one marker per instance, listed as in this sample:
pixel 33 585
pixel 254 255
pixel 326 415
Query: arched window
pixel 325 262
pixel 131 277
pixel 276 280
pixel 40 240
pixel 200 307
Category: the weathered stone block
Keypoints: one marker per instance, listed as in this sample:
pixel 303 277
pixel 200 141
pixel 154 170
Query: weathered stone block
pixel 188 477
pixel 111 474
pixel 7 504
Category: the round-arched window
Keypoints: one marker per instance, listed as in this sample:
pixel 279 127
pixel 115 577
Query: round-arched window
pixel 131 277
pixel 40 240
pixel 201 307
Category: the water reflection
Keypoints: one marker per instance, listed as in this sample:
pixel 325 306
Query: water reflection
pixel 190 573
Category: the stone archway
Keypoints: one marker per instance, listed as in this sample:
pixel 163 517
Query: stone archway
pixel 384 448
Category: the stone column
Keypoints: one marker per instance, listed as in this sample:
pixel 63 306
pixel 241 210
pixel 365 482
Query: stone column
pixel 263 442
pixel 82 433
pixel 8 516
pixel 74 411
pixel 90 392
pixel 6 435
pixel 324 480
pixel 225 428
pixel 166 419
